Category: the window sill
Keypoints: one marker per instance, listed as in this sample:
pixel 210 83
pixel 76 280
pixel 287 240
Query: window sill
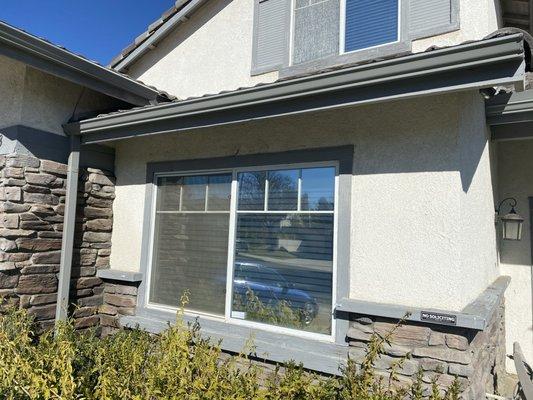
pixel 316 355
pixel 117 275
pixel 360 56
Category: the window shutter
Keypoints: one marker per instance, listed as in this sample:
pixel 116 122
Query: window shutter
pixel 432 17
pixel 271 35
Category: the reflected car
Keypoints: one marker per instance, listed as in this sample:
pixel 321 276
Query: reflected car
pixel 271 288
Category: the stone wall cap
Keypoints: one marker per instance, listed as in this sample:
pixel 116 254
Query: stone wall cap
pixel 475 316
pixel 117 275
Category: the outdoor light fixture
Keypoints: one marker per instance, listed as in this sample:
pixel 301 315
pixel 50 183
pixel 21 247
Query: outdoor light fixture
pixel 511 222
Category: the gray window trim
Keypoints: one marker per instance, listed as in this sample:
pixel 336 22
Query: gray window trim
pixel 454 25
pixel 257 70
pixel 403 47
pixel 315 354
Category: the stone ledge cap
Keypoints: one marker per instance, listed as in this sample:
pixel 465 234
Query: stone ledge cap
pixel 475 315
pixel 117 275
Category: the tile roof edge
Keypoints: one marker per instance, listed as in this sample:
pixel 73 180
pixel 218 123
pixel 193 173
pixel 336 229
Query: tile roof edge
pixel 43 46
pixel 120 61
pixel 345 68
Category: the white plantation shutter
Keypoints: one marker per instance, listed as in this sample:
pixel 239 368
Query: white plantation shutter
pixel 271 35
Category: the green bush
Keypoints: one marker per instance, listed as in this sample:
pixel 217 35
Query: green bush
pixel 177 364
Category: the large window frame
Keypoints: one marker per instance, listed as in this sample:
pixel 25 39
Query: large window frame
pixel 315 351
pixel 233 214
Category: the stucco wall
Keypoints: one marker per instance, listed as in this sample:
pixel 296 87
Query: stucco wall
pixel 421 189
pixel 49 101
pixel 212 51
pixel 42 101
pixel 12 84
pixel 515 178
pixel 209 53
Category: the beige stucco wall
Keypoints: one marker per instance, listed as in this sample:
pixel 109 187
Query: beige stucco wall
pixel 42 101
pixel 421 207
pixel 209 53
pixel 12 87
pixel 515 179
pixel 212 51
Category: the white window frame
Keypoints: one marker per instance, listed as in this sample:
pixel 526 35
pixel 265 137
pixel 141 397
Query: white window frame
pixel 342 30
pixel 227 318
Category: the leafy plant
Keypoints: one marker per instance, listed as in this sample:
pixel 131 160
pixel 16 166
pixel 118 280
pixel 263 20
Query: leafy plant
pixel 179 363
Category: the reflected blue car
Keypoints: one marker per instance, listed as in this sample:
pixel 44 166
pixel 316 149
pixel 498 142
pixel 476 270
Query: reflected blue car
pixel 270 287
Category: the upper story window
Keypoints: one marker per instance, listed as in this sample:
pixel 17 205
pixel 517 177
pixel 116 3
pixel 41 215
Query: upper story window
pixel 369 23
pixel 323 28
pixel 291 35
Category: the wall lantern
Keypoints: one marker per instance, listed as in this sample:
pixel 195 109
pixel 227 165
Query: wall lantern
pixel 512 222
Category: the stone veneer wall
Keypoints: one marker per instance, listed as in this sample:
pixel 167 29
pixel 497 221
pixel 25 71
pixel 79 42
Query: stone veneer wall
pixel 32 197
pixel 476 358
pixel 92 245
pixel 119 299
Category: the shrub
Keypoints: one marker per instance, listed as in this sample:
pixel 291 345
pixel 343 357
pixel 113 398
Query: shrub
pixel 177 364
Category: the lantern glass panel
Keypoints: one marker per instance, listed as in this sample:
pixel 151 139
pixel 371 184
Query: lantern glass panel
pixel 512 230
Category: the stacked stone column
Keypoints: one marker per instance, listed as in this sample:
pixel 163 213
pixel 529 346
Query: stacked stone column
pixel 32 197
pixel 32 205
pixel 119 299
pixel 92 245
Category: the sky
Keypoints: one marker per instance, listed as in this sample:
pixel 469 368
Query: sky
pixel 96 29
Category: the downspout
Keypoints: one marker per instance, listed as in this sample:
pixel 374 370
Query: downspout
pixel 69 226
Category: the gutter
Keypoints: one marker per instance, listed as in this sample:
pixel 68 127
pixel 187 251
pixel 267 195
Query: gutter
pixel 49 58
pixel 477 65
pixel 510 115
pixel 510 108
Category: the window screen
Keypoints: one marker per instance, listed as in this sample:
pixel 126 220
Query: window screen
pixel 284 248
pixel 191 242
pixel 370 23
pixel 316 29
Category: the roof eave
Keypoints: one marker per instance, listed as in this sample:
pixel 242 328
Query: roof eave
pixel 510 115
pixel 42 55
pixel 470 66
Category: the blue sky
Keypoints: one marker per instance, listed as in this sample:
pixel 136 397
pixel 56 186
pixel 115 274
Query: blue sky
pixel 97 29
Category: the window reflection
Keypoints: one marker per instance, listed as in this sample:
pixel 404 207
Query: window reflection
pixel 283 267
pixel 219 193
pixel 193 193
pixel 283 190
pixel 252 190
pixel 318 186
